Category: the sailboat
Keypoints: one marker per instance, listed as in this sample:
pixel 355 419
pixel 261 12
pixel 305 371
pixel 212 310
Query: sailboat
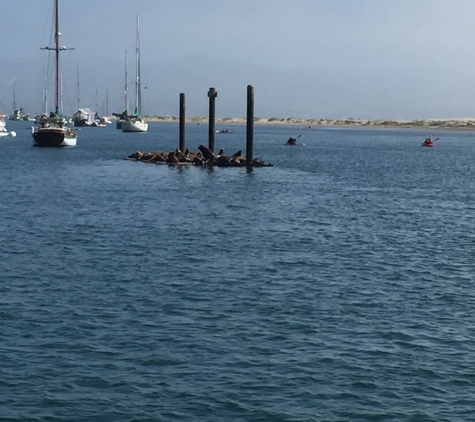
pixel 122 117
pixel 52 130
pixel 136 122
pixel 3 129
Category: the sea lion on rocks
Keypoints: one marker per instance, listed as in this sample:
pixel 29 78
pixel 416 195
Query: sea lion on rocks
pixel 237 154
pixel 207 153
pixel 221 152
pixel 257 162
pixel 172 158
pixel 148 156
pixel 185 157
pixel 159 158
pixel 197 158
pixel 238 161
pixel 134 156
pixel 223 161
pixel 198 161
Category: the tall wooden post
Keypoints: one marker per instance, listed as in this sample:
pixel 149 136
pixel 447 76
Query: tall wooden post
pixel 250 125
pixel 182 122
pixel 212 94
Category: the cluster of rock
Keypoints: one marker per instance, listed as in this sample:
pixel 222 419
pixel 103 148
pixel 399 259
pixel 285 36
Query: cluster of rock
pixel 204 157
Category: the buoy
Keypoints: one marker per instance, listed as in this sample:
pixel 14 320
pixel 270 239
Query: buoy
pixel 12 133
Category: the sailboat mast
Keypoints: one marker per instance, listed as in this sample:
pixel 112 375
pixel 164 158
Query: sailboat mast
pixel 45 99
pixel 57 44
pixel 125 84
pixel 138 96
pixel 57 49
pixel 14 96
pixel 78 98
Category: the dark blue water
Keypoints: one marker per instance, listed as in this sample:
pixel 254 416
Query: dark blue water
pixel 337 285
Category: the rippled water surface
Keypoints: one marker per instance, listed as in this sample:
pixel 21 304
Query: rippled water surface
pixel 337 285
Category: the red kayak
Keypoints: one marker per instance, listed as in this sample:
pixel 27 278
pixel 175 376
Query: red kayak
pixel 428 143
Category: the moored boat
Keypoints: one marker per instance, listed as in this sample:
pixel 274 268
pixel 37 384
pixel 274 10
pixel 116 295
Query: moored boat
pixel 136 122
pixel 3 127
pixel 83 117
pixel 52 130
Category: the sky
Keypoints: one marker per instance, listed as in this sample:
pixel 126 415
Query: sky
pixel 369 59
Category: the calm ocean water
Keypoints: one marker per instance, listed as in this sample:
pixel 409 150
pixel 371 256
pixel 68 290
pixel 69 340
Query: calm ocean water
pixel 337 285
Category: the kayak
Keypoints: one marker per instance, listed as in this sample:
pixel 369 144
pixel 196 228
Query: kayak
pixel 428 143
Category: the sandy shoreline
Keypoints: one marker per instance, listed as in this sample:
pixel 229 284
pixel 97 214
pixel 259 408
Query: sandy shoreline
pixel 455 123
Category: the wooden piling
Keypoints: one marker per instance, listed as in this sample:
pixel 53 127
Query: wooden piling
pixel 182 122
pixel 250 125
pixel 212 94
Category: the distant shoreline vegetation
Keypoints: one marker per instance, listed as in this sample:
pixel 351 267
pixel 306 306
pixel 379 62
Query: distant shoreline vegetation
pixel 465 123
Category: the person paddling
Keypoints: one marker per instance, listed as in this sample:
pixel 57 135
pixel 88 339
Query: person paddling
pixel 292 141
pixel 429 142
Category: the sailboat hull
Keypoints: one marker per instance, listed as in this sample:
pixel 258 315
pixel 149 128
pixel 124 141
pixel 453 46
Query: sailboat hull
pixel 134 126
pixel 55 137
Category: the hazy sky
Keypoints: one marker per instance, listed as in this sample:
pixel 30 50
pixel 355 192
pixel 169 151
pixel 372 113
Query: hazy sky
pixel 305 58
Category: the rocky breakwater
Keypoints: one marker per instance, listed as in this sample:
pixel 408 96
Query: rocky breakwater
pixel 203 157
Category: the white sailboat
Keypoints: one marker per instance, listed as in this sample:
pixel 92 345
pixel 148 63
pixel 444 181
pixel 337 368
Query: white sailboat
pixel 3 127
pixel 3 124
pixel 136 122
pixel 52 130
